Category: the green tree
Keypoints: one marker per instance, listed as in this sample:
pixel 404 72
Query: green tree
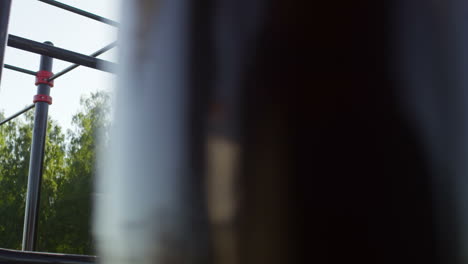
pixel 70 224
pixel 15 142
pixel 15 139
pixel 66 191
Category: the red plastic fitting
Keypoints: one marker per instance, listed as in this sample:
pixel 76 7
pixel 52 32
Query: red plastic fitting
pixel 42 77
pixel 42 98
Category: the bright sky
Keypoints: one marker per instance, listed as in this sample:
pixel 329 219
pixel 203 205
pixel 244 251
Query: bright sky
pixel 41 22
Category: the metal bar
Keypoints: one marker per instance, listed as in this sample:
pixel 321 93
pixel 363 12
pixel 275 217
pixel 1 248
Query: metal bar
pixel 104 49
pixel 31 214
pixel 20 257
pixel 5 6
pixel 81 12
pixel 74 66
pixel 61 54
pixel 18 69
pixel 17 114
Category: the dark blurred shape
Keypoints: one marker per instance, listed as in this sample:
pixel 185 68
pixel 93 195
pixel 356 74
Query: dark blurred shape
pixel 247 150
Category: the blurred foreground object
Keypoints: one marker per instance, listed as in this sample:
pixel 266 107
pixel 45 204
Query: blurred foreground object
pixel 229 148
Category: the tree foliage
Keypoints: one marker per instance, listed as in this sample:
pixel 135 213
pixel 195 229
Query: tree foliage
pixel 66 190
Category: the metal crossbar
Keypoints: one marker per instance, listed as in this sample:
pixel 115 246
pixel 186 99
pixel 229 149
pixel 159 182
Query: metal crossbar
pixel 18 69
pixel 17 114
pixel 74 66
pixel 61 54
pixel 81 12
pixel 17 257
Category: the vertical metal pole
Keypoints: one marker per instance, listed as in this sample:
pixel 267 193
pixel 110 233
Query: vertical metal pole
pixel 36 162
pixel 5 6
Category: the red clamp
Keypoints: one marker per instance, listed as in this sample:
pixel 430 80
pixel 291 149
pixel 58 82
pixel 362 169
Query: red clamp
pixel 42 98
pixel 43 77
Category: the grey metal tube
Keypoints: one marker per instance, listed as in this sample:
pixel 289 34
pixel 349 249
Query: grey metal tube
pixel 74 66
pixel 17 114
pixel 5 6
pixel 20 257
pixel 81 12
pixel 18 69
pixel 36 163
pixel 59 53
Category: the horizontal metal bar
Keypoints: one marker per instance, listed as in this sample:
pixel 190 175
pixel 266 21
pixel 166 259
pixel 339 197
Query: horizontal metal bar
pixel 18 69
pixel 81 12
pixel 74 66
pixel 21 257
pixel 61 54
pixel 17 114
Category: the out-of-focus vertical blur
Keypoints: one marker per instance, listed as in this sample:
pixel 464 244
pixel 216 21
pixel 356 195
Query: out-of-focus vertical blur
pixel 232 144
pixel 200 160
